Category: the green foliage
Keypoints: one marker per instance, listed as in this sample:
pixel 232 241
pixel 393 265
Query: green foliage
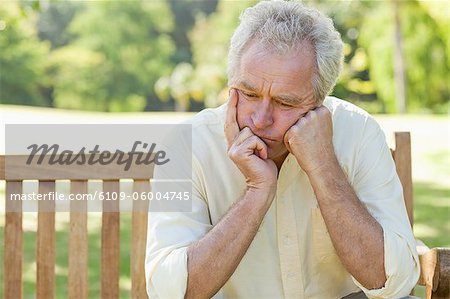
pixel 146 55
pixel 184 13
pixel 206 79
pixel 120 50
pixel 54 20
pixel 378 39
pixel 424 53
pixel 367 29
pixel 22 59
pixel 210 39
pixel 77 79
pixel 426 60
pixel 439 12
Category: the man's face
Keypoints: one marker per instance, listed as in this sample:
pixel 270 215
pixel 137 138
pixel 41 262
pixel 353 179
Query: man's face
pixel 274 92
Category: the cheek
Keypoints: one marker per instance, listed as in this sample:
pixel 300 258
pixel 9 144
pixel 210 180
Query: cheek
pixel 285 120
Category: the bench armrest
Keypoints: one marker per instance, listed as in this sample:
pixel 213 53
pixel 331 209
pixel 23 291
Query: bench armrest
pixel 435 270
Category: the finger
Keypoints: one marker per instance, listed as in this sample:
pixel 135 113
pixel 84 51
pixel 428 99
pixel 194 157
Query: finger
pixel 324 110
pixel 292 131
pixel 286 141
pixel 262 153
pixel 243 135
pixel 321 107
pixel 231 127
pixel 254 144
pixel 309 115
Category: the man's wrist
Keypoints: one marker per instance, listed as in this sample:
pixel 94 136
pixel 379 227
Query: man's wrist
pixel 323 167
pixel 262 192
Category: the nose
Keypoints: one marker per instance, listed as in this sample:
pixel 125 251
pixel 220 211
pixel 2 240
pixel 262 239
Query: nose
pixel 262 117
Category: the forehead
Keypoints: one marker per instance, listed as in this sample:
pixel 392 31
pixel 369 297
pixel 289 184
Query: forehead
pixel 289 72
pixel 285 76
pixel 299 58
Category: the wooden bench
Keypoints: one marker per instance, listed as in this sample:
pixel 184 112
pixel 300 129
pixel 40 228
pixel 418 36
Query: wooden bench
pixel 435 263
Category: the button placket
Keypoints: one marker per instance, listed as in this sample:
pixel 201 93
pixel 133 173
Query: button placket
pixel 292 276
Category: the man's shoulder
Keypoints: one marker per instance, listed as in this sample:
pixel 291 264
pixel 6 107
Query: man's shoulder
pixel 208 119
pixel 346 114
pixel 208 137
pixel 351 122
pixel 339 106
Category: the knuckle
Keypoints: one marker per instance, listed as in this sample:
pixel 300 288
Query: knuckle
pixel 232 154
pixel 288 138
pixel 255 139
pixel 323 110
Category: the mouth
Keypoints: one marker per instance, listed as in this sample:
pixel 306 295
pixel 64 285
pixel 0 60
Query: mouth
pixel 268 140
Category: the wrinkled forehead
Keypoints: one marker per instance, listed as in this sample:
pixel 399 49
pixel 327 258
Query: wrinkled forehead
pixel 288 77
pixel 257 49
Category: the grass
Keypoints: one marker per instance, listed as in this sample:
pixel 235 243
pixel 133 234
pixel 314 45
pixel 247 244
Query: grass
pixel 62 262
pixel 431 164
pixel 431 214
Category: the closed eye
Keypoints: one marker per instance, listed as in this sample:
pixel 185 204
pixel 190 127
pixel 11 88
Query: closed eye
pixel 285 105
pixel 249 95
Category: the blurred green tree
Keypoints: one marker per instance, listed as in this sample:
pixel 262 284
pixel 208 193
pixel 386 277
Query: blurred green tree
pixel 354 84
pixel 184 13
pixel 425 56
pixel 119 51
pixel 143 55
pixel 22 58
pixel 54 20
pixel 367 29
pixel 205 78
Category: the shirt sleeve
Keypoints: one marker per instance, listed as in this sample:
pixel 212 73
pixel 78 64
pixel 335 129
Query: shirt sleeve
pixel 377 185
pixel 168 236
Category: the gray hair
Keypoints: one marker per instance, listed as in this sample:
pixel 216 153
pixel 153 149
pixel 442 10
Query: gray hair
pixel 283 26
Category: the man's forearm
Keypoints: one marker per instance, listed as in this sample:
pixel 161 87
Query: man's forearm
pixel 214 258
pixel 356 235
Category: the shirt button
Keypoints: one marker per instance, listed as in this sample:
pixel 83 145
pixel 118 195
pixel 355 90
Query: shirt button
pixel 287 240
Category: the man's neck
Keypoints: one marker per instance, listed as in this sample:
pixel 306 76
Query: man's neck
pixel 280 160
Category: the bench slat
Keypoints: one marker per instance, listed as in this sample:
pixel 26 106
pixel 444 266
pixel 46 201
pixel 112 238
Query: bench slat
pixel 110 243
pixel 45 258
pixel 78 245
pixel 13 243
pixel 402 158
pixel 16 168
pixel 138 241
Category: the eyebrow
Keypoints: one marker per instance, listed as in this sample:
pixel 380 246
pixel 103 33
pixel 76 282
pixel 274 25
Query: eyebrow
pixel 247 86
pixel 288 99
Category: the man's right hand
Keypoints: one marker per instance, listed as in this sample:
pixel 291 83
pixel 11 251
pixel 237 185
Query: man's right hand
pixel 248 151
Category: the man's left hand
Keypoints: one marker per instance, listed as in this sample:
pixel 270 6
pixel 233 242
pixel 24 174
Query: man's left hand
pixel 310 140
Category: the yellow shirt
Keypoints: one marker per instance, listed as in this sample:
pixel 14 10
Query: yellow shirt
pixel 292 255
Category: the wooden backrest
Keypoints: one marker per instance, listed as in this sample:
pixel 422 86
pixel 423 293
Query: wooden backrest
pixel 110 237
pixel 78 236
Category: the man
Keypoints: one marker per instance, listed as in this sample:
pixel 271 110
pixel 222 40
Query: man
pixel 295 194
